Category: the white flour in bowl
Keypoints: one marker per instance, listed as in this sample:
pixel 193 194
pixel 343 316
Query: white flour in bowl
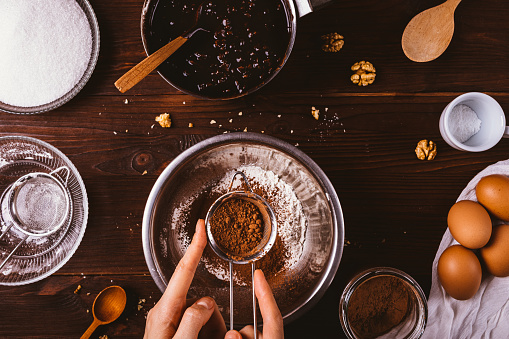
pixel 291 220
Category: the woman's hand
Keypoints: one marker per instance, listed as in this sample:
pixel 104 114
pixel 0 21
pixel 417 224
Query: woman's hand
pixel 175 317
pixel 272 319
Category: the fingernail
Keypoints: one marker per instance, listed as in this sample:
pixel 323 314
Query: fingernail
pixel 232 335
pixel 205 302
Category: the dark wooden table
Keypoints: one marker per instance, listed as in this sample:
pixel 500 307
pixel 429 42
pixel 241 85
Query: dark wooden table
pixel 394 205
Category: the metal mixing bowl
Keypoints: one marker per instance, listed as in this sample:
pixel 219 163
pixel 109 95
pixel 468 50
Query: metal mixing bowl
pixel 198 169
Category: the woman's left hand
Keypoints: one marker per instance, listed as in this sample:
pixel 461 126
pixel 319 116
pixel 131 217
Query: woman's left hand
pixel 175 317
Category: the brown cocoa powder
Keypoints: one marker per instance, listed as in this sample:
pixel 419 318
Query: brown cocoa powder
pixel 237 227
pixel 272 263
pixel 378 305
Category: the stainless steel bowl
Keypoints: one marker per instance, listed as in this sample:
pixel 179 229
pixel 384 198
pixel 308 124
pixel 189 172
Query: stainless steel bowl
pixel 199 168
pixel 94 27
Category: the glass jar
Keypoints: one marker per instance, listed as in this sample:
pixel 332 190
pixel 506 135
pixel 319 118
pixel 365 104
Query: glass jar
pixel 383 302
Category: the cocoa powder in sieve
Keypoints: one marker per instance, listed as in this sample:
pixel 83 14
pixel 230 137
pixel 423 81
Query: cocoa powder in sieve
pixel 237 227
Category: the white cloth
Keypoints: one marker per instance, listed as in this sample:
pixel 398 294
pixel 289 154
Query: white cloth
pixel 485 315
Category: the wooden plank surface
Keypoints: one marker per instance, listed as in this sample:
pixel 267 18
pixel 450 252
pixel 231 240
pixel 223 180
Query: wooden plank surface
pixel 394 205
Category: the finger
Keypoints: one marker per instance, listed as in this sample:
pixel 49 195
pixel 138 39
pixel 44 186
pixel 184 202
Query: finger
pixel 215 328
pixel 233 335
pixel 272 319
pixel 194 318
pixel 184 272
pixel 248 332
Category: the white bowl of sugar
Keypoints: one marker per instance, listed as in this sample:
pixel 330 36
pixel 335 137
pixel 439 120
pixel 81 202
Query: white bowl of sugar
pixel 473 122
pixel 49 51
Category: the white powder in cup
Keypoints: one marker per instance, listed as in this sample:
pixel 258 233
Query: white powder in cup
pixel 463 122
pixel 46 48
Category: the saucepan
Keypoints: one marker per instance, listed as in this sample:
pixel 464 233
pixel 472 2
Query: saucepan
pixel 242 67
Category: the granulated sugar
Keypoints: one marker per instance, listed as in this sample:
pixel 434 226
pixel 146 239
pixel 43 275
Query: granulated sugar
pixel 46 48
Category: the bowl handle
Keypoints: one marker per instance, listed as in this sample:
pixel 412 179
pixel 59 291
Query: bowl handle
pixel 307 6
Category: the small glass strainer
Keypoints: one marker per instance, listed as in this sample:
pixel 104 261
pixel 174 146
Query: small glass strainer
pixel 37 204
pixel 265 244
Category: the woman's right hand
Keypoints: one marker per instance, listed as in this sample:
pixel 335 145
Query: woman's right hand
pixel 272 319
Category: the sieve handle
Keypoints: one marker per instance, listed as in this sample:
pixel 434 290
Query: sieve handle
pixel 255 327
pixel 67 173
pixel 12 252
pixel 5 232
pixel 231 295
pixel 243 177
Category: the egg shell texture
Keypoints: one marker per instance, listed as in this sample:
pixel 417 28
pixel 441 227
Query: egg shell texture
pixel 459 272
pixel 492 192
pixel 469 223
pixel 496 253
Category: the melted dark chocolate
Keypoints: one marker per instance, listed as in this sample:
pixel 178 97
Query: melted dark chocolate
pixel 245 45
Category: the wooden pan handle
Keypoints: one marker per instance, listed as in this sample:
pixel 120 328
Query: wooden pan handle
pixel 141 70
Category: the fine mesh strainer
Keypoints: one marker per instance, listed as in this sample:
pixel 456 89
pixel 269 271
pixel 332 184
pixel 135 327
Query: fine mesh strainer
pixel 37 204
pixel 267 240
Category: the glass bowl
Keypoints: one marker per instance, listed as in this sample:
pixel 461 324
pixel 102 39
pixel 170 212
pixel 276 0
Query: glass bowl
pixel 38 257
pixel 199 169
pixel 94 27
pixel 394 307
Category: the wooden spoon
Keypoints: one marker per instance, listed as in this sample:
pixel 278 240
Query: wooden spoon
pixel 150 63
pixel 107 307
pixel 429 33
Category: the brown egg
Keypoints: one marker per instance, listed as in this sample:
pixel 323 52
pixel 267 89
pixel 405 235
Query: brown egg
pixel 469 223
pixel 493 193
pixel 496 254
pixel 459 272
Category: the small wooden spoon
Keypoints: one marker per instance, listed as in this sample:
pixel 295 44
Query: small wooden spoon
pixel 108 306
pixel 150 63
pixel 429 33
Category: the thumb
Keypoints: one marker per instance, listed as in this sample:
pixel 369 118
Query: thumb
pixel 194 318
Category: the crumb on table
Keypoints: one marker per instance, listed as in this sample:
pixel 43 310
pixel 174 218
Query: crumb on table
pixel 164 120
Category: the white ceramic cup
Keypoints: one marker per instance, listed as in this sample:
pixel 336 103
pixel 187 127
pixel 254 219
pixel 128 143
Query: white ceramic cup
pixel 492 118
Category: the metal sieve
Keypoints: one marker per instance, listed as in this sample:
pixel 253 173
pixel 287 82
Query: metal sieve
pixel 37 204
pixel 265 244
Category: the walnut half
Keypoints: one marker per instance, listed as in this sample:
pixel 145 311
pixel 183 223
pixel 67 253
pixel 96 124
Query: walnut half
pixel 332 42
pixel 426 150
pixel 364 73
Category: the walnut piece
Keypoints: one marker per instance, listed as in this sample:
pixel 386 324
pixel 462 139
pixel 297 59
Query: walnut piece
pixel 426 150
pixel 365 73
pixel 315 112
pixel 164 120
pixel 332 42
